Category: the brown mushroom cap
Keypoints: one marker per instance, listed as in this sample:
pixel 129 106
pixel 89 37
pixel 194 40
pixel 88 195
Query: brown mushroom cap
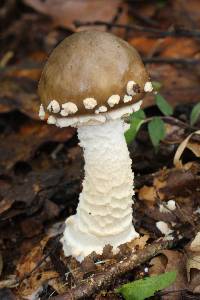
pixel 91 64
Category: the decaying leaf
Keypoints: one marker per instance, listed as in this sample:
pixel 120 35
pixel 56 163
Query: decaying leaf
pixel 148 194
pixel 34 286
pixel 193 262
pixel 166 47
pixel 194 147
pixel 21 145
pixel 139 243
pixel 195 244
pixel 174 134
pixel 178 48
pixel 171 260
pixel 173 182
pixel 169 183
pixel 193 255
pixel 29 194
pixel 29 261
pixel 180 85
pixel 34 260
pixel 66 12
pixel 19 94
pixel 59 286
pixel 186 13
pixel 181 148
pixel 158 265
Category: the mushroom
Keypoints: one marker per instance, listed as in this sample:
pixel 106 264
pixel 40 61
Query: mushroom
pixel 97 79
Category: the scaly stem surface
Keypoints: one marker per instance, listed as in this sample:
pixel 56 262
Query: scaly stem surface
pixel 104 213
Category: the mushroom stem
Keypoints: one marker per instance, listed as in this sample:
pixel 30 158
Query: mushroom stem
pixel 104 213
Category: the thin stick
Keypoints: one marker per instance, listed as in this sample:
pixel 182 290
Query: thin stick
pixel 175 32
pixel 166 60
pixel 103 280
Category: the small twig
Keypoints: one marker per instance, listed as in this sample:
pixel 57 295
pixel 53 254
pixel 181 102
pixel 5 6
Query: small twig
pixel 169 120
pixel 175 121
pixel 104 279
pixel 144 19
pixel 115 18
pixel 175 32
pixel 166 60
pixel 163 293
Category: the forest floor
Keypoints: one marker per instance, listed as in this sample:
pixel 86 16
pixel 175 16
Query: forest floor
pixel 41 166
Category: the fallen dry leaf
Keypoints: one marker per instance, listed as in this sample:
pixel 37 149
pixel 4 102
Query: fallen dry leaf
pixel 176 261
pixel 170 183
pixel 195 244
pixel 148 194
pixel 173 134
pixel 31 227
pixel 186 13
pixel 194 147
pixel 19 94
pixel 30 194
pixel 157 265
pixel 35 284
pixel 181 148
pixel 193 255
pixel 193 262
pixel 139 243
pixel 180 185
pixel 180 48
pixel 179 85
pixel 171 260
pixel 176 182
pixel 65 12
pixel 58 285
pixel 29 261
pixel 34 259
pixel 166 47
pixel 143 44
pixel 32 73
pixel 194 283
pixel 21 145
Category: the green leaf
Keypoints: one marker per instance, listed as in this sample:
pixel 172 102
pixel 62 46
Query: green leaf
pixel 136 120
pixel 156 85
pixel 144 288
pixel 131 133
pixel 139 114
pixel 163 105
pixel 161 3
pixel 156 129
pixel 195 114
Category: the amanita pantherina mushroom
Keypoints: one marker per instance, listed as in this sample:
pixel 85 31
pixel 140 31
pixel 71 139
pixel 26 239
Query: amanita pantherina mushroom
pixel 91 81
